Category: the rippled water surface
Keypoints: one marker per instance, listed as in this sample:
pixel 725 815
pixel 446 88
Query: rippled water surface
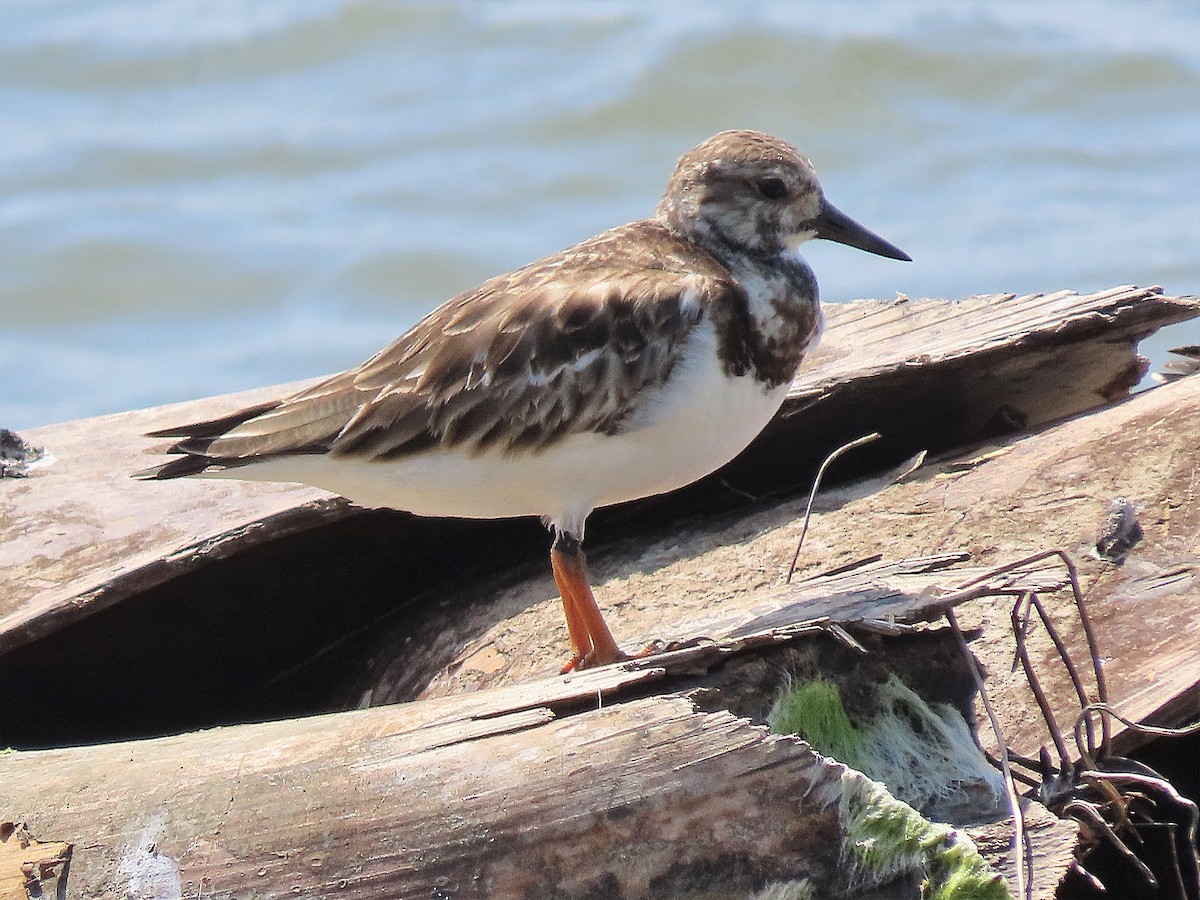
pixel 199 196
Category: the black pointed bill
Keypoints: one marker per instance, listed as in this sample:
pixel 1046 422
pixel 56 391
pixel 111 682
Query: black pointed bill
pixel 834 225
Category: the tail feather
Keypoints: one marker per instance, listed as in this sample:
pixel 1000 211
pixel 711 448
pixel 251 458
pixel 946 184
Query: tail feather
pixel 182 466
pixel 196 439
pixel 214 428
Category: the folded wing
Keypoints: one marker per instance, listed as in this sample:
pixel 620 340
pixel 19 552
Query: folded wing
pixel 570 344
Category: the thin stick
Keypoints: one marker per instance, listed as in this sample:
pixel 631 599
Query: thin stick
pixel 1032 765
pixel 1027 780
pixel 1105 830
pixel 1020 622
pixel 1107 709
pixel 1084 620
pixel 1158 783
pixel 1093 649
pixel 1011 567
pixel 812 495
pixel 1021 837
pixel 1064 655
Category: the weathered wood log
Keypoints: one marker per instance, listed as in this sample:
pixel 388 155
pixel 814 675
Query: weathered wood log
pixel 218 846
pixel 578 785
pixel 67 534
pixel 179 567
pixel 318 805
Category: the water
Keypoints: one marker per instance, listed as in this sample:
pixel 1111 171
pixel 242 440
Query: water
pixel 201 196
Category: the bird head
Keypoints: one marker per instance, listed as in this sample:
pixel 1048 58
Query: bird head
pixel 751 192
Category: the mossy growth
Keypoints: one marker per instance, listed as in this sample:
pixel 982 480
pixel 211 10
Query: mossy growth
pixel 921 753
pixel 814 712
pixel 886 838
pixel 925 754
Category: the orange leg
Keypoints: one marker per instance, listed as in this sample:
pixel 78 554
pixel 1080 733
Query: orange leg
pixel 591 642
pixel 581 643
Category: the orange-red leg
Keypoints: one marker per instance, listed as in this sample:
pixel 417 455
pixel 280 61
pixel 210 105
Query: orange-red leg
pixel 591 641
pixel 581 643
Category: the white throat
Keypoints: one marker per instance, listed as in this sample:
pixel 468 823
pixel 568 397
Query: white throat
pixel 794 242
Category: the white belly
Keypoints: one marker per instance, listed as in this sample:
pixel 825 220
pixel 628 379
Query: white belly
pixel 697 422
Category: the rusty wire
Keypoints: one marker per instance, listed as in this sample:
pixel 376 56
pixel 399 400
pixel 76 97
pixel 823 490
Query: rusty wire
pixel 1113 798
pixel 1102 792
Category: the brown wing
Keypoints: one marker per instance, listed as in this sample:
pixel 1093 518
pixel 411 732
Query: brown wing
pixel 562 346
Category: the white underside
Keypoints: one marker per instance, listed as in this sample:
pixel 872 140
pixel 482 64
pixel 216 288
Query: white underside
pixel 698 421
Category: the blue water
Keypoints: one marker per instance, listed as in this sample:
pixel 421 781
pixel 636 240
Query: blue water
pixel 197 197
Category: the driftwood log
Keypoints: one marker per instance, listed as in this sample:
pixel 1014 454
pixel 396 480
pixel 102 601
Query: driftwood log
pixel 997 503
pixel 80 536
pixel 129 609
pixel 626 781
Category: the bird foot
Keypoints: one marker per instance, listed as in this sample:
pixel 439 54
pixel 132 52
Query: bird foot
pixel 591 660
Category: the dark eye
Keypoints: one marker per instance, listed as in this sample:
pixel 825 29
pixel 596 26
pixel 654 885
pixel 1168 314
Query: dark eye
pixel 771 188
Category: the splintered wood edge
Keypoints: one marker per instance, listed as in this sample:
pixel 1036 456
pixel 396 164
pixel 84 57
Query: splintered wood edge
pixel 955 329
pixel 27 863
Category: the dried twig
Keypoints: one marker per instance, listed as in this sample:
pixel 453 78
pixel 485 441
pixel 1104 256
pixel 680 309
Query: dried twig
pixel 1069 664
pixel 1087 813
pixel 1020 624
pixel 1107 709
pixel 812 495
pixel 1110 796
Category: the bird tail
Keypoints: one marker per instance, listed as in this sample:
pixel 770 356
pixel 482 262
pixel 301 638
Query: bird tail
pixel 196 439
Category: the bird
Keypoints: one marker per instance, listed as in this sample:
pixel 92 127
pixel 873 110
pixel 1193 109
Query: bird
pixel 628 365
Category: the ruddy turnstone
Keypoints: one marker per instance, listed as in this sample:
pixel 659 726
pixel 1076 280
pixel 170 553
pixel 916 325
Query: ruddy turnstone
pixel 628 365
